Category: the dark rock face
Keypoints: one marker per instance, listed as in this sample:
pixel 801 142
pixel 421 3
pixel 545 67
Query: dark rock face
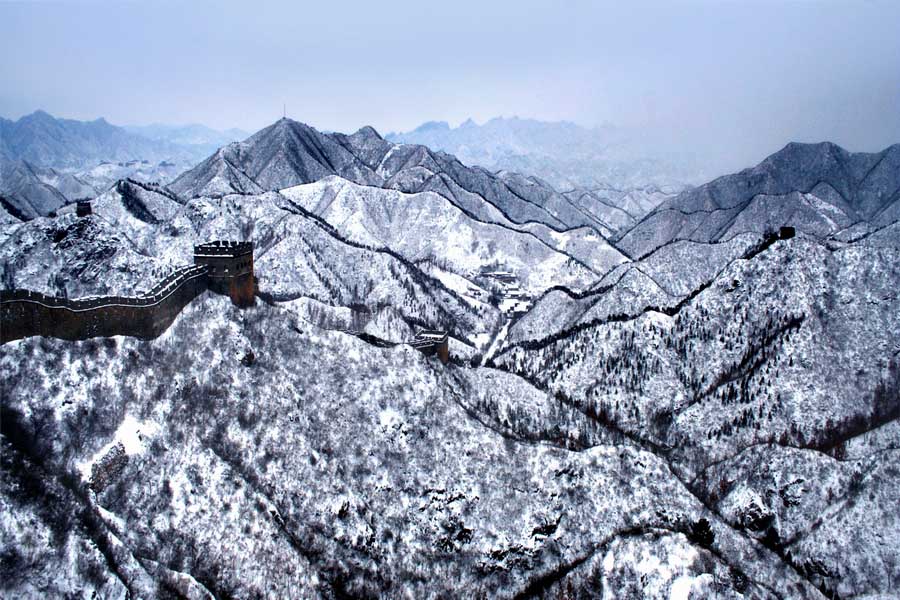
pixel 108 468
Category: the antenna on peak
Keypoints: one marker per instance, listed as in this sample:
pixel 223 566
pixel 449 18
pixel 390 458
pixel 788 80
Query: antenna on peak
pixel 284 113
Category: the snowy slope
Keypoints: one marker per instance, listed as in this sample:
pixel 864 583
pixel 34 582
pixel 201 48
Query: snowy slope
pixel 425 226
pixel 330 467
pixel 289 153
pixel 792 348
pixel 660 280
pixel 25 195
pixel 820 189
pixel 138 231
pixel 620 209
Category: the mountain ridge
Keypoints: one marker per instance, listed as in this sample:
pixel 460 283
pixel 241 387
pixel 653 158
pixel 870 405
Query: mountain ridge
pixel 47 141
pixel 820 188
pixel 290 153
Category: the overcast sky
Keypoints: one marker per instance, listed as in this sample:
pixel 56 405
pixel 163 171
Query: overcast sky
pixel 740 78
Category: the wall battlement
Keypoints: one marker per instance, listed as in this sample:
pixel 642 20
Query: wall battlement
pixel 433 343
pixel 230 267
pixel 224 267
pixel 25 313
pixel 224 248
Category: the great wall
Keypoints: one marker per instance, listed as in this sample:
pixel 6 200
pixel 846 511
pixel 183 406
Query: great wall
pixel 222 267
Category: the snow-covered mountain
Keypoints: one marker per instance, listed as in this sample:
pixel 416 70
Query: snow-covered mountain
pixel 46 141
pixel 289 153
pixel 715 416
pixel 30 191
pixel 621 209
pixel 104 175
pixel 565 154
pixel 615 174
pixel 23 192
pixel 821 189
pixel 81 159
pixel 139 229
pixel 425 226
pixel 773 389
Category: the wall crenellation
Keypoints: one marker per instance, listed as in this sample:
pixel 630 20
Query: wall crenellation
pixel 26 313
pixel 230 267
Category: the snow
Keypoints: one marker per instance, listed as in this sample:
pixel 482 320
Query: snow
pixel 607 430
pixel 684 586
pixel 390 419
pixel 427 227
pixel 496 344
pixel 132 434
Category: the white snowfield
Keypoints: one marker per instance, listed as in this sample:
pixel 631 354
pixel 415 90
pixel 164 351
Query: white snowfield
pixel 715 416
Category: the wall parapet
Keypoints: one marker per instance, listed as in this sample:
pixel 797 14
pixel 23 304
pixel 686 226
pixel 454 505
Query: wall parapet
pixel 156 294
pixel 25 313
pixel 230 266
pixel 223 248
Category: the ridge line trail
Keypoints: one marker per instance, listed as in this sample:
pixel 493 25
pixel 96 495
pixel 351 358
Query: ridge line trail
pixel 497 342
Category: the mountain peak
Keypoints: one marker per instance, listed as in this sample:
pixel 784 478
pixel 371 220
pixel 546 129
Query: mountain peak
pixel 822 147
pixel 367 132
pixel 432 126
pixel 39 115
pixel 804 155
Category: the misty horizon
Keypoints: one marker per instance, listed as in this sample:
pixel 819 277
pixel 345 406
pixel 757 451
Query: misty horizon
pixel 729 80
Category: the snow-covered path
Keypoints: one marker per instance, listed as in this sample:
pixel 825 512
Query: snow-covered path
pixel 497 343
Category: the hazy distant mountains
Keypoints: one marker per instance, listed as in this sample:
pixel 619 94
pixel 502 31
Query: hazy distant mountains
pixel 46 141
pixel 198 138
pixel 46 162
pixel 564 154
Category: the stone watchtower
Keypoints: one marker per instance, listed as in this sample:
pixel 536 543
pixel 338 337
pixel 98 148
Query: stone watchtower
pixel 83 208
pixel 433 343
pixel 230 269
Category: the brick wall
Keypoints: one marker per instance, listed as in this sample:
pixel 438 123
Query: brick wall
pixel 24 313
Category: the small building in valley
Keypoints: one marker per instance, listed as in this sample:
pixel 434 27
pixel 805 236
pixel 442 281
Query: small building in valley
pixel 432 342
pixel 230 271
